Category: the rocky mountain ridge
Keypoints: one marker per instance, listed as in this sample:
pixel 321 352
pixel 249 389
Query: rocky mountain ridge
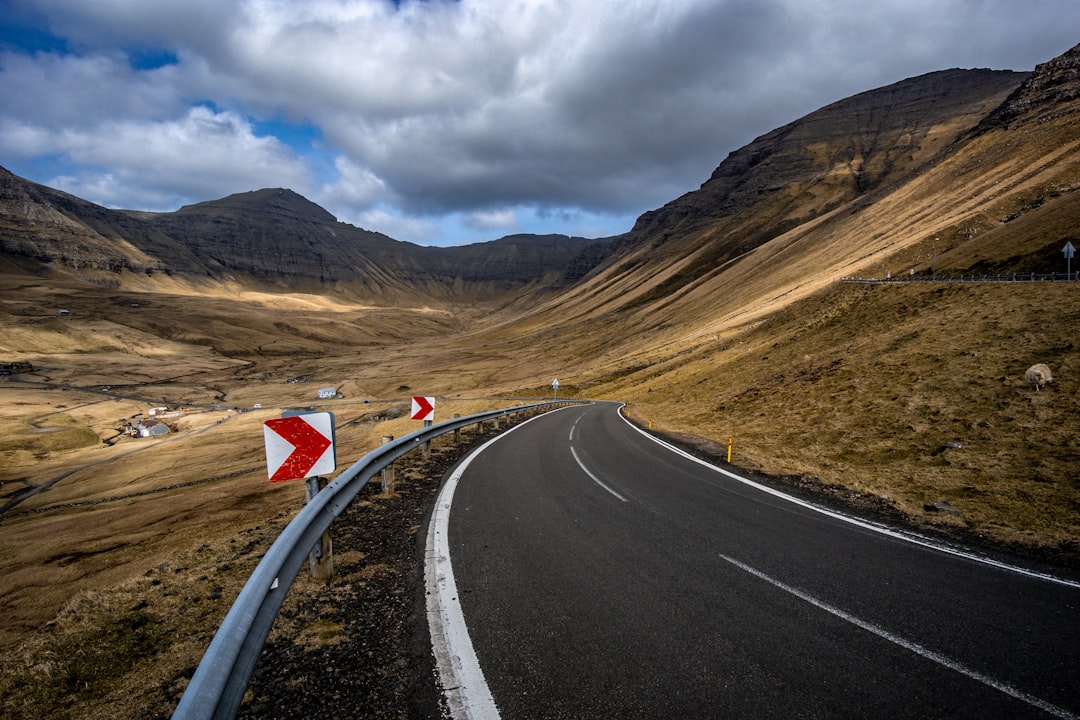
pixel 272 236
pixel 846 149
pixel 1052 91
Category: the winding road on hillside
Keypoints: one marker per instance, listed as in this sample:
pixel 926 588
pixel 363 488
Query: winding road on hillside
pixel 578 568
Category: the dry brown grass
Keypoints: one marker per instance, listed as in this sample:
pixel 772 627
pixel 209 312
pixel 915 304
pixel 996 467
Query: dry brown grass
pixel 123 648
pixel 864 386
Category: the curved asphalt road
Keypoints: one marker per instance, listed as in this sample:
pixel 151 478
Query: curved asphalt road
pixel 602 574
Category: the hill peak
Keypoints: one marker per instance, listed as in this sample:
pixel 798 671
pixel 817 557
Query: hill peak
pixel 268 201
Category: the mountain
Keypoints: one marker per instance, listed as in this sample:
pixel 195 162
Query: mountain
pixel 42 225
pixel 938 173
pixel 1050 93
pixel 272 237
pixel 799 173
pixel 842 151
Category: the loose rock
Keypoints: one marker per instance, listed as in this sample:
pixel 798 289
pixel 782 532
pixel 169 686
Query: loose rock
pixel 942 506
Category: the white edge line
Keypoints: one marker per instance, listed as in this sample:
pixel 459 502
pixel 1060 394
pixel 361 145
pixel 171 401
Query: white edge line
pixel 467 694
pixel 855 521
pixel 595 479
pixel 464 686
pixel 909 645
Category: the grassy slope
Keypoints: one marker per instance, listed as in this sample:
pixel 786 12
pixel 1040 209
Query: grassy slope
pixel 864 386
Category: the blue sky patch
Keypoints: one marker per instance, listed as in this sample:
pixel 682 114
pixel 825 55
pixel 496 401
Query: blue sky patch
pixel 22 34
pixel 151 58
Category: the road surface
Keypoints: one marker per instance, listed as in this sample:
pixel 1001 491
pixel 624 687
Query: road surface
pixel 599 573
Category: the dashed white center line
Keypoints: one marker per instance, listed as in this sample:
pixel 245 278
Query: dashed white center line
pixel 908 645
pixel 595 479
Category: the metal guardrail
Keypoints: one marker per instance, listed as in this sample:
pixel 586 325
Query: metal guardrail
pixel 217 688
pixel 1013 278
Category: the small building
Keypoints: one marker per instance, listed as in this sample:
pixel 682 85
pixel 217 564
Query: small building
pixel 152 428
pixel 327 393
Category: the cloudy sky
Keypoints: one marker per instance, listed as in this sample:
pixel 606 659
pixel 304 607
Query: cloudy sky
pixel 443 122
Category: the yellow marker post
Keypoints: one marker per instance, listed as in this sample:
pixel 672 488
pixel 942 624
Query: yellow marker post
pixel 730 441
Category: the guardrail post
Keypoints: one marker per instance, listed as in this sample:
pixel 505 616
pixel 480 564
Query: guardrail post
pixel 495 420
pixel 425 451
pixel 457 431
pixel 388 471
pixel 321 559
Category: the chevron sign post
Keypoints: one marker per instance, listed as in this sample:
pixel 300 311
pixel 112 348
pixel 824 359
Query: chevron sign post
pixel 300 446
pixel 423 408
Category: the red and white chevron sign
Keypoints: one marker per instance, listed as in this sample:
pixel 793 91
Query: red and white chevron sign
pixel 423 408
pixel 300 446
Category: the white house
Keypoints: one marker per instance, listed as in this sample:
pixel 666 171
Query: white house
pixel 152 428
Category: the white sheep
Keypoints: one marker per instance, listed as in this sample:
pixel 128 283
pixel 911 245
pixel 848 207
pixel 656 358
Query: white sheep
pixel 1038 375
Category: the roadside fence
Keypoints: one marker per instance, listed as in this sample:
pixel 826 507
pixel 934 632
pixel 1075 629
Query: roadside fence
pixel 1013 278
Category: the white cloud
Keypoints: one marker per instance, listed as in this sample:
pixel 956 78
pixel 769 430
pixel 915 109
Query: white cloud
pixel 504 219
pixel 419 230
pixel 202 154
pixel 110 191
pixel 355 186
pixel 20 139
pixel 63 91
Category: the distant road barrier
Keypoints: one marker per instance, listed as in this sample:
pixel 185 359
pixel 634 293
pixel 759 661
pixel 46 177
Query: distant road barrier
pixel 217 688
pixel 1015 277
